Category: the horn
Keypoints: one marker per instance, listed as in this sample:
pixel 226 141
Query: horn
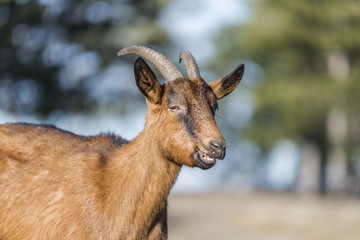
pixel 190 64
pixel 162 63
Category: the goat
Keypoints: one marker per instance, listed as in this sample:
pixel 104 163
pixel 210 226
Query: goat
pixel 58 185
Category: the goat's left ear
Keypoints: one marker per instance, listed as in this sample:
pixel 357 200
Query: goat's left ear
pixel 147 82
pixel 226 85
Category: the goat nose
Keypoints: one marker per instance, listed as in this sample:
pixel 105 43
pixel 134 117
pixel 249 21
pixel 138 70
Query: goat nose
pixel 218 148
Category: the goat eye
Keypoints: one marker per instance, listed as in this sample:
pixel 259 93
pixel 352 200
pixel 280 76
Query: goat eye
pixel 213 110
pixel 214 107
pixel 174 108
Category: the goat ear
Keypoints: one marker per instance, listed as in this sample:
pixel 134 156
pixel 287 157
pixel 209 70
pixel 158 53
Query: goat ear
pixel 147 82
pixel 226 85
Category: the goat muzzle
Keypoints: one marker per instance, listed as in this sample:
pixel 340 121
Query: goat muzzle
pixel 207 159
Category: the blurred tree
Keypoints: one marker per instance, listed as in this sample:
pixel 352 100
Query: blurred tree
pixel 310 52
pixel 52 50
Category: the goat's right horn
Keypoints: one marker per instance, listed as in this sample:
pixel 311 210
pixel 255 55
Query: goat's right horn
pixel 190 64
pixel 162 63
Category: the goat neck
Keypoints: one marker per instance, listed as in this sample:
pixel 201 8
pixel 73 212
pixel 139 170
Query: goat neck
pixel 148 192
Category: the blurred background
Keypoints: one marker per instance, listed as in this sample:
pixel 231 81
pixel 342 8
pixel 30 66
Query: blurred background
pixel 292 126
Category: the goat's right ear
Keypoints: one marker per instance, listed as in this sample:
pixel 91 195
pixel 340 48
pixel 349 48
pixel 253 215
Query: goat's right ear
pixel 147 82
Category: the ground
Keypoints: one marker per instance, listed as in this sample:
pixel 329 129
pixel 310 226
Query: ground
pixel 263 216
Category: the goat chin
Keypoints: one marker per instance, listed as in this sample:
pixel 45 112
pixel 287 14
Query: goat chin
pixel 204 161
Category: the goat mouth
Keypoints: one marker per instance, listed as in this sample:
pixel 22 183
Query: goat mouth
pixel 203 161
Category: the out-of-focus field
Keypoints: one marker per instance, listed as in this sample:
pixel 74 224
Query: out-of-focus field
pixel 263 217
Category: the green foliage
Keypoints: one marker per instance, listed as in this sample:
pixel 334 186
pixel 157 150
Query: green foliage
pixel 45 44
pixel 296 43
pixel 292 109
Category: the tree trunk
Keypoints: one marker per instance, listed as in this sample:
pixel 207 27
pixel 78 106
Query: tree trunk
pixel 323 184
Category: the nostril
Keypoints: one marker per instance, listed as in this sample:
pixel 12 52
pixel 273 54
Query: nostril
pixel 217 145
pixel 217 149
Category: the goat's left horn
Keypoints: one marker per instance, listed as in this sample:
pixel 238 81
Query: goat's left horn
pixel 164 65
pixel 190 64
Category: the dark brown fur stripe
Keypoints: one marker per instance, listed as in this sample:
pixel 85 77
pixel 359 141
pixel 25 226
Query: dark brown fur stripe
pixel 188 124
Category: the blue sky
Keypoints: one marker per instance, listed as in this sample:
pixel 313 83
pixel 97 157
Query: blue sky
pixel 193 24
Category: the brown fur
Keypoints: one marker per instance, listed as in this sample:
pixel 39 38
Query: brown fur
pixel 58 185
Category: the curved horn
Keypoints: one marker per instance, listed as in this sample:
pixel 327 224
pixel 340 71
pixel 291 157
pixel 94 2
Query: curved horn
pixel 162 63
pixel 190 64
